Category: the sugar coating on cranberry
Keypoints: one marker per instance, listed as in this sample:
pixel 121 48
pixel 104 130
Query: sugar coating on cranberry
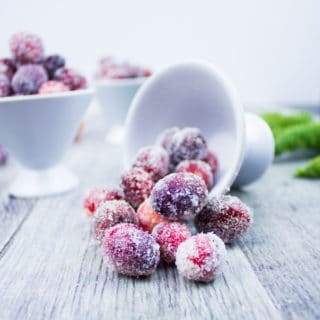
pixel 179 196
pixel 136 185
pixel 52 87
pixel 169 235
pixel 187 144
pixel 110 213
pixel 53 63
pixel 212 160
pixel 7 68
pixel 226 216
pixel 99 195
pixel 130 250
pixel 28 79
pixel 199 168
pixel 147 217
pixel 26 47
pixel 72 79
pixel 165 137
pixel 201 257
pixel 154 160
pixel 5 87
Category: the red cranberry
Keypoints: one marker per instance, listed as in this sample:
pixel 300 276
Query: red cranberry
pixel 198 168
pixel 130 250
pixel 154 160
pixel 179 196
pixel 201 257
pixel 226 216
pixel 136 185
pixel 26 48
pixel 169 235
pixel 111 213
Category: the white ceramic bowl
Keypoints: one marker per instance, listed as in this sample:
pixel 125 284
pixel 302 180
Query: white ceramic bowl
pixel 37 130
pixel 197 94
pixel 115 97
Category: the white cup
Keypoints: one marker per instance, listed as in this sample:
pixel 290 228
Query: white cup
pixel 115 97
pixel 37 130
pixel 196 94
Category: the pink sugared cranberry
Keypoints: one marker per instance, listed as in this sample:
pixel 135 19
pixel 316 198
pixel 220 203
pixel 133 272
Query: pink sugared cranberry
pixel 187 144
pixel 26 48
pixel 5 87
pixel 212 160
pixel 165 137
pixel 201 257
pixel 154 160
pixel 199 168
pixel 99 195
pixel 179 196
pixel 136 185
pixel 169 235
pixel 28 79
pixel 147 217
pixel 72 79
pixel 111 213
pixel 7 68
pixel 52 87
pixel 226 216
pixel 130 250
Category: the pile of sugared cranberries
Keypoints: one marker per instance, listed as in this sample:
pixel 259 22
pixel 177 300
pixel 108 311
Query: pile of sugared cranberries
pixel 30 71
pixel 109 68
pixel 167 184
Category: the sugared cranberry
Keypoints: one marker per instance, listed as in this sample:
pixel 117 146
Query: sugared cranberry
pixel 179 196
pixel 169 235
pixel 198 167
pixel 52 87
pixel 70 78
pixel 147 217
pixel 5 87
pixel 136 185
pixel 154 160
pixel 7 68
pixel 110 213
pixel 201 257
pixel 26 48
pixel 212 160
pixel 165 137
pixel 99 195
pixel 53 63
pixel 28 79
pixel 187 144
pixel 226 216
pixel 130 250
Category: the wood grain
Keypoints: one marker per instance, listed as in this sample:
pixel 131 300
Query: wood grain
pixel 50 268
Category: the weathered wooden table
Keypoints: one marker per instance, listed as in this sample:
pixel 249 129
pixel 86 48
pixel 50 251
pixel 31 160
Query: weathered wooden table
pixel 50 268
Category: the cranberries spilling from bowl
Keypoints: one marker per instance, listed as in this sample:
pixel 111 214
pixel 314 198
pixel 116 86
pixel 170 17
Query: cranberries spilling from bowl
pixel 143 220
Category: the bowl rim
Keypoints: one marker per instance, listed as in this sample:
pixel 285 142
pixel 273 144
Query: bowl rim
pixel 121 82
pixel 237 108
pixel 33 97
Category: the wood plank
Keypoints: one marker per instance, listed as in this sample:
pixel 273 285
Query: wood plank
pixel 284 244
pixel 13 212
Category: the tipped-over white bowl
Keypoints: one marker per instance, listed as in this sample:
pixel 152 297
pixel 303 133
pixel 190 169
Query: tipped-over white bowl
pixel 115 97
pixel 196 94
pixel 37 130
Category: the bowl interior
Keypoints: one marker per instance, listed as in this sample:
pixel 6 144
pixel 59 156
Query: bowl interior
pixel 190 94
pixel 38 129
